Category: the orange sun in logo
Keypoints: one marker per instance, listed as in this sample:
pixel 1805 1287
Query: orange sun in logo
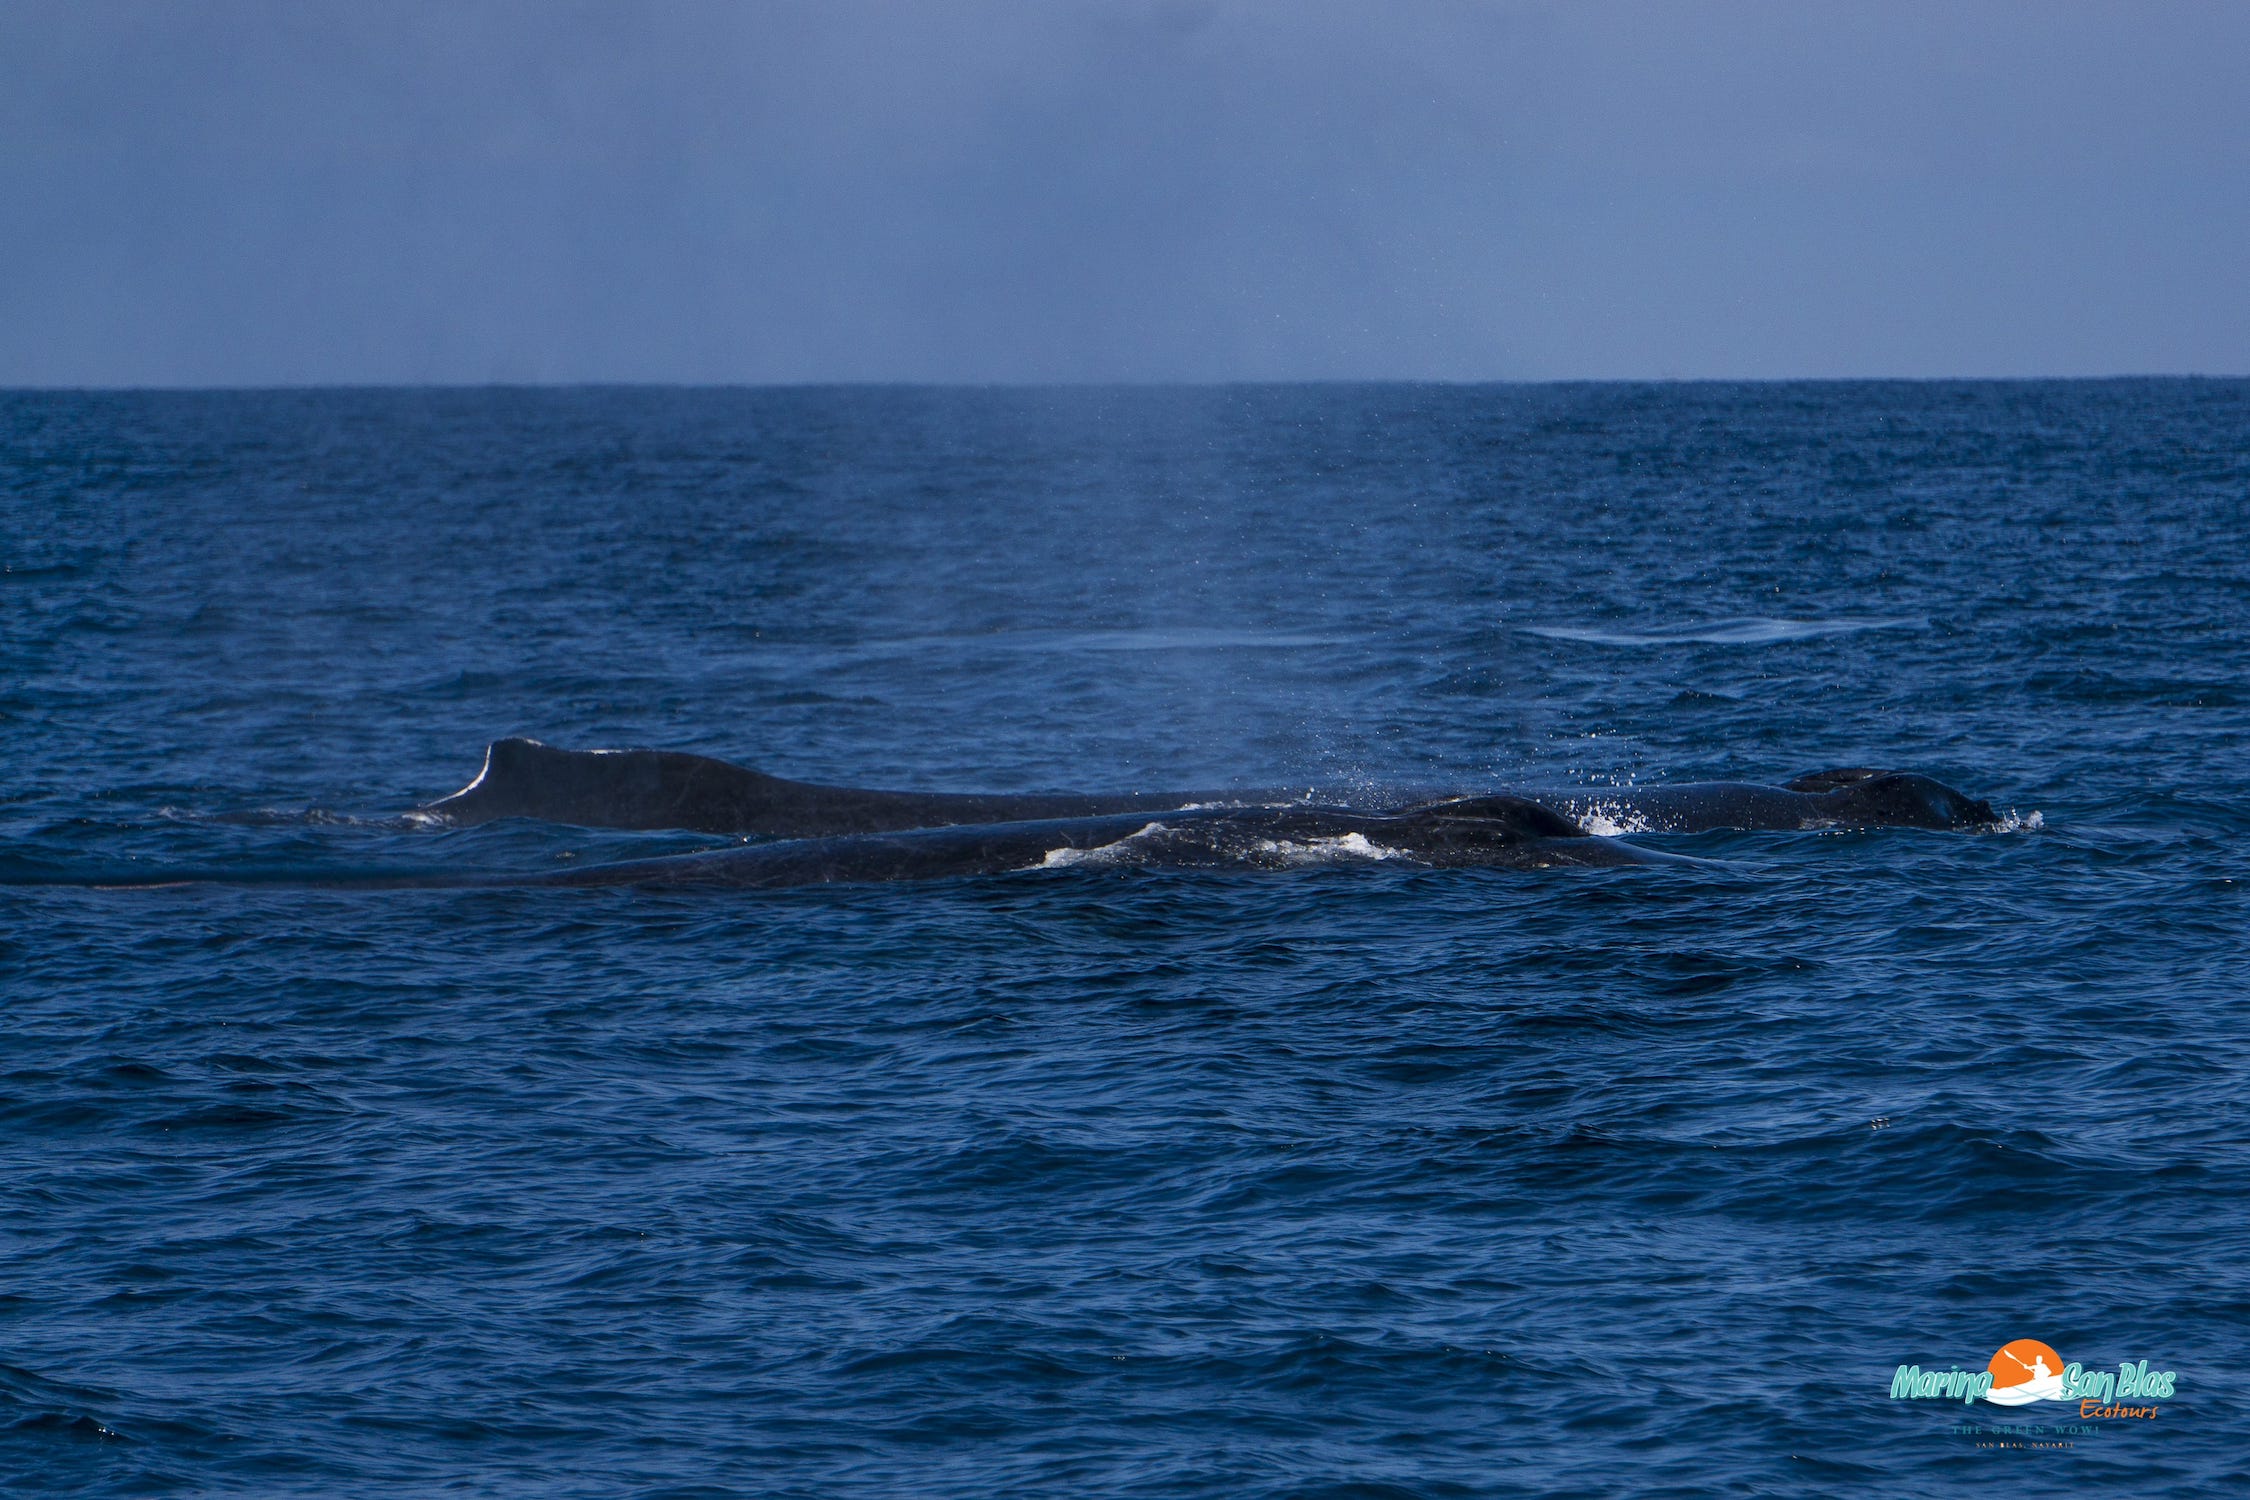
pixel 2023 1361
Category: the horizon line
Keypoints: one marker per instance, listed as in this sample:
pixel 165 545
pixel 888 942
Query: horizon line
pixel 312 387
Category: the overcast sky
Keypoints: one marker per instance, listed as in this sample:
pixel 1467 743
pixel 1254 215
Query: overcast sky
pixel 297 191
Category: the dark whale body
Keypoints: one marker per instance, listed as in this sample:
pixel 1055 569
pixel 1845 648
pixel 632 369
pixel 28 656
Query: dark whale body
pixel 817 835
pixel 1497 832
pixel 668 789
pixel 1480 832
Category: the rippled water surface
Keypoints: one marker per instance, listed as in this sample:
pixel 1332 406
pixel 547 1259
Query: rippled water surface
pixel 1352 1179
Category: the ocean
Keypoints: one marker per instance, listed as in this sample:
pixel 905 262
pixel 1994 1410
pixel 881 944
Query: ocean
pixel 1353 1179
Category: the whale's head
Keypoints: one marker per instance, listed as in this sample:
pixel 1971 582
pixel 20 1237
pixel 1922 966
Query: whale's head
pixel 1898 799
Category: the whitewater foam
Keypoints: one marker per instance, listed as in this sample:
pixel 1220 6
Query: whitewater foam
pixel 1609 820
pixel 1342 848
pixel 1345 848
pixel 1102 854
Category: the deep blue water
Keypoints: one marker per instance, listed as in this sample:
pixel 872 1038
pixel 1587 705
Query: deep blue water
pixel 1345 1180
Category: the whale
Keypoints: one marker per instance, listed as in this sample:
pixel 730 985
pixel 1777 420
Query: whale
pixel 670 789
pixel 1487 832
pixel 805 833
pixel 1497 832
pixel 651 789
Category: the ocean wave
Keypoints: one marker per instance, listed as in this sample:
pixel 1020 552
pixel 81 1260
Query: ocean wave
pixel 1753 630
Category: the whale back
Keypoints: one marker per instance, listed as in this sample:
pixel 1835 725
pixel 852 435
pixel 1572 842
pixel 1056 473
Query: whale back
pixel 1492 833
pixel 523 778
pixel 1520 816
pixel 648 789
pixel 1903 799
pixel 1829 781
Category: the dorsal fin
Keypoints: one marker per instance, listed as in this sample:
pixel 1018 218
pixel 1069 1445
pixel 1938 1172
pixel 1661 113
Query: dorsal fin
pixel 523 778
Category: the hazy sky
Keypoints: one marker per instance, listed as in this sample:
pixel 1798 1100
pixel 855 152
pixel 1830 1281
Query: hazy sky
pixel 293 191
